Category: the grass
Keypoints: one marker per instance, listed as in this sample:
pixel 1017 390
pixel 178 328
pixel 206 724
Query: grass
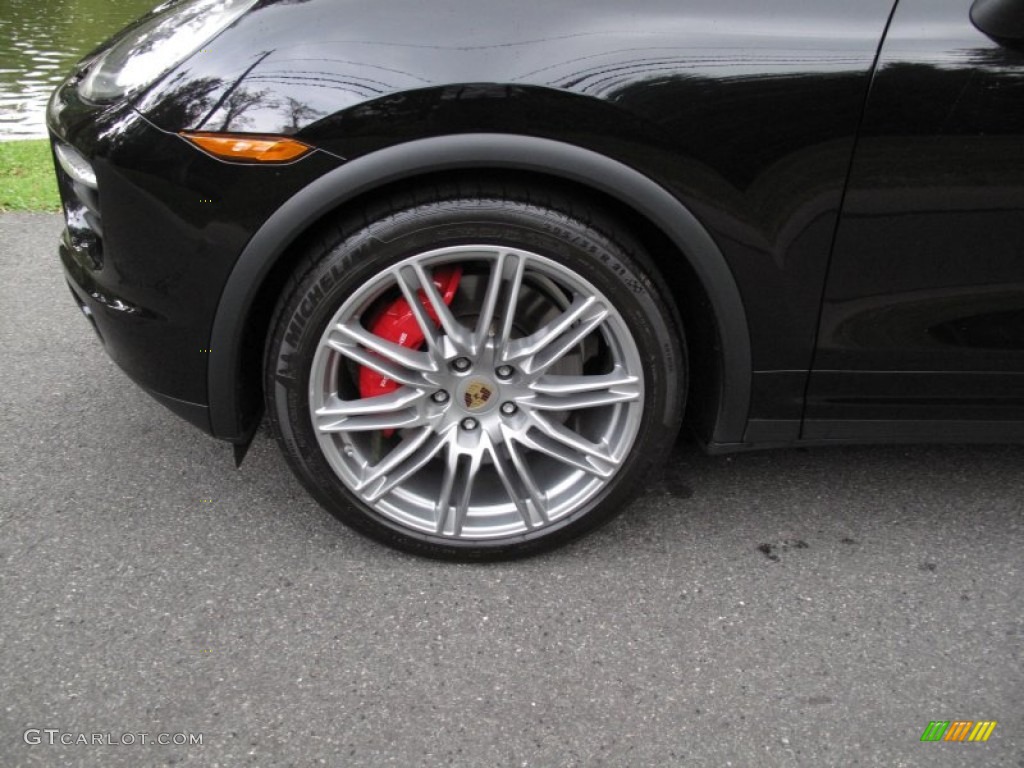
pixel 27 182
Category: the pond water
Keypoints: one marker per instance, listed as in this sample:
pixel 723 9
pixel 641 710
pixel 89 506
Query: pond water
pixel 39 42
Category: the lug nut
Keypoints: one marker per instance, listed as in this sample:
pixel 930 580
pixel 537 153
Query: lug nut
pixel 504 371
pixel 461 364
pixel 440 397
pixel 469 423
pixel 508 408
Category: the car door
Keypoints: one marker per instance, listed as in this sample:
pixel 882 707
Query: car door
pixel 922 327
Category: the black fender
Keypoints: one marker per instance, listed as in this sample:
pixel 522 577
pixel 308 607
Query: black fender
pixel 475 151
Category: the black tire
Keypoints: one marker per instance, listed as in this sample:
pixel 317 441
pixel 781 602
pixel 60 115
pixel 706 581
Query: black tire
pixel 575 235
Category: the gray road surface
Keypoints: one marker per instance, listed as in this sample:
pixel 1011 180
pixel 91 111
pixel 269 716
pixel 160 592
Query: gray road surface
pixel 890 593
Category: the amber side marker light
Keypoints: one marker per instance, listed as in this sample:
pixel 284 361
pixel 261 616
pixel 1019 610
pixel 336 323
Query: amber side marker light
pixel 248 149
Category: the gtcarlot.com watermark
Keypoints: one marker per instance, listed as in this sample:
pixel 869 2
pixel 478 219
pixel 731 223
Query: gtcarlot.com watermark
pixel 54 736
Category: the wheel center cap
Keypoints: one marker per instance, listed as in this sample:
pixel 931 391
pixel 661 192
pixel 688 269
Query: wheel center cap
pixel 478 395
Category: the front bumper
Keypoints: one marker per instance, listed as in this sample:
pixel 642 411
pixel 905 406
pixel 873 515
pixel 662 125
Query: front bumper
pixel 148 250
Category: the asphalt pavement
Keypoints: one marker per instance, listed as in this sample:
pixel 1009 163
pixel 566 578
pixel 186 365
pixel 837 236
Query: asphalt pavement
pixel 799 607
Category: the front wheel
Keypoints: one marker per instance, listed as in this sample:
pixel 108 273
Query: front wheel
pixel 475 375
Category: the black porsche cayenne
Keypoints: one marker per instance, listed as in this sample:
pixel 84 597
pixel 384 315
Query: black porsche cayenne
pixel 473 258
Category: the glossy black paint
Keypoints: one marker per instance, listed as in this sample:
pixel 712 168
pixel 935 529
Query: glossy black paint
pixel 173 221
pixel 928 270
pixel 745 115
pixel 1002 20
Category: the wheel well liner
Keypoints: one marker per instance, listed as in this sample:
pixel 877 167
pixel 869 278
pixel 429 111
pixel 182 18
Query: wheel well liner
pixel 363 175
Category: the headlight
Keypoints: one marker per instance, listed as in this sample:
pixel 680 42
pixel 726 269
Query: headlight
pixel 155 44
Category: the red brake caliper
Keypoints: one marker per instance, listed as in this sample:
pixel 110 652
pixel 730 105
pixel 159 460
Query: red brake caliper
pixel 398 324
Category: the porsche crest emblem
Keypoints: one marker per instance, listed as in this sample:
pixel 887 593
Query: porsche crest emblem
pixel 477 394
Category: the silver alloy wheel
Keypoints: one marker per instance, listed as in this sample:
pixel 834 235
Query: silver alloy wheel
pixel 534 427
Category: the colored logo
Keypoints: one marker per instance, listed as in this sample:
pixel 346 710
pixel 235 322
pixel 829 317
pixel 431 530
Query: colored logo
pixel 958 730
pixel 476 396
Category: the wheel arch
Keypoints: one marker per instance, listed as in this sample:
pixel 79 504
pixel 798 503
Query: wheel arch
pixel 234 394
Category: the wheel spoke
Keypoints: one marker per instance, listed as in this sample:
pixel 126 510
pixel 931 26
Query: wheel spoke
pixel 452 328
pixel 395 410
pixel 457 482
pixel 444 497
pixel 469 474
pixel 373 360
pixel 505 278
pixel 561 443
pixel 568 393
pixel 511 303
pixel 403 356
pixel 412 298
pixel 536 341
pixel 402 463
pixel 519 483
pixel 574 336
pixel 543 348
